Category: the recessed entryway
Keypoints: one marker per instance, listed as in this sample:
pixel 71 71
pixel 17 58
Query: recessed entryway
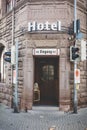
pixel 47 76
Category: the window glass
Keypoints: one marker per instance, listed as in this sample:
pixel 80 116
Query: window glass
pixel 9 5
pixel 47 72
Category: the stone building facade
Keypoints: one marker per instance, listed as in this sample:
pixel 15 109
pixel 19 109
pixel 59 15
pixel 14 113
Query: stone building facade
pixel 44 54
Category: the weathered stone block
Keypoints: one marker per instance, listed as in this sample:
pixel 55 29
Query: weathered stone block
pixel 5 102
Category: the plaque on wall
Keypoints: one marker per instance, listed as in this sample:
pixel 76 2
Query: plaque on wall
pixel 46 51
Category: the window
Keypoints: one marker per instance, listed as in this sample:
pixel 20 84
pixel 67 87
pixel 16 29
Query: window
pixel 9 5
pixel 47 72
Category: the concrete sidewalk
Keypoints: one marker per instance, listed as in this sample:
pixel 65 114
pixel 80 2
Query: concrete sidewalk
pixel 42 118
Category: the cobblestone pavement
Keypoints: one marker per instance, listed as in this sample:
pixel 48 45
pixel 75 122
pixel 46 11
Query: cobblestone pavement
pixel 42 119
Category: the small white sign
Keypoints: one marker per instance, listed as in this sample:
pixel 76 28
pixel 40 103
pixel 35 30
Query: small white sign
pixel 42 51
pixel 77 76
pixel 14 76
pixel 83 50
pixel 13 55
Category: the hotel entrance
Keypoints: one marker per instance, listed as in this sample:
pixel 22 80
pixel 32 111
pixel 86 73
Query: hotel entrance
pixel 47 77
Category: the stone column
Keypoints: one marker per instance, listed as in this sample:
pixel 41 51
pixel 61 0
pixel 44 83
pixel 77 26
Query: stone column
pixel 27 98
pixel 28 82
pixel 64 89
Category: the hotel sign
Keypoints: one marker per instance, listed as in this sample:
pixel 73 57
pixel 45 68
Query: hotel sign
pixel 34 26
pixel 45 52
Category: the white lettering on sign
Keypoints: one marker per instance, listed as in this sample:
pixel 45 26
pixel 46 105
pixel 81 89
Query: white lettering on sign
pixel 42 51
pixel 34 26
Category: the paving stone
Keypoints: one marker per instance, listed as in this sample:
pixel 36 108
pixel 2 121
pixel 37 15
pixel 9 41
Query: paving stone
pixel 42 119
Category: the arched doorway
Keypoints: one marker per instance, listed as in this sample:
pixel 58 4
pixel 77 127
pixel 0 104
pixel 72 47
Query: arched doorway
pixel 2 68
pixel 2 63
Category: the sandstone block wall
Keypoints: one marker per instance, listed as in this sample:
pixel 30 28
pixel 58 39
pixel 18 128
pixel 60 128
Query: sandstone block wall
pixel 42 11
pixel 5 94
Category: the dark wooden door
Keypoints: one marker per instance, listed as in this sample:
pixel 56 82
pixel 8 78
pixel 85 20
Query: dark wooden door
pixel 47 78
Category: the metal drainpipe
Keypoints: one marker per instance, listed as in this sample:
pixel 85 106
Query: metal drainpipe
pixel 16 107
pixel 12 65
pixel 15 67
pixel 3 69
pixel 75 62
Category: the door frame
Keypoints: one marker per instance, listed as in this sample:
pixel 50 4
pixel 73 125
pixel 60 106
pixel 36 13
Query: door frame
pixel 48 57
